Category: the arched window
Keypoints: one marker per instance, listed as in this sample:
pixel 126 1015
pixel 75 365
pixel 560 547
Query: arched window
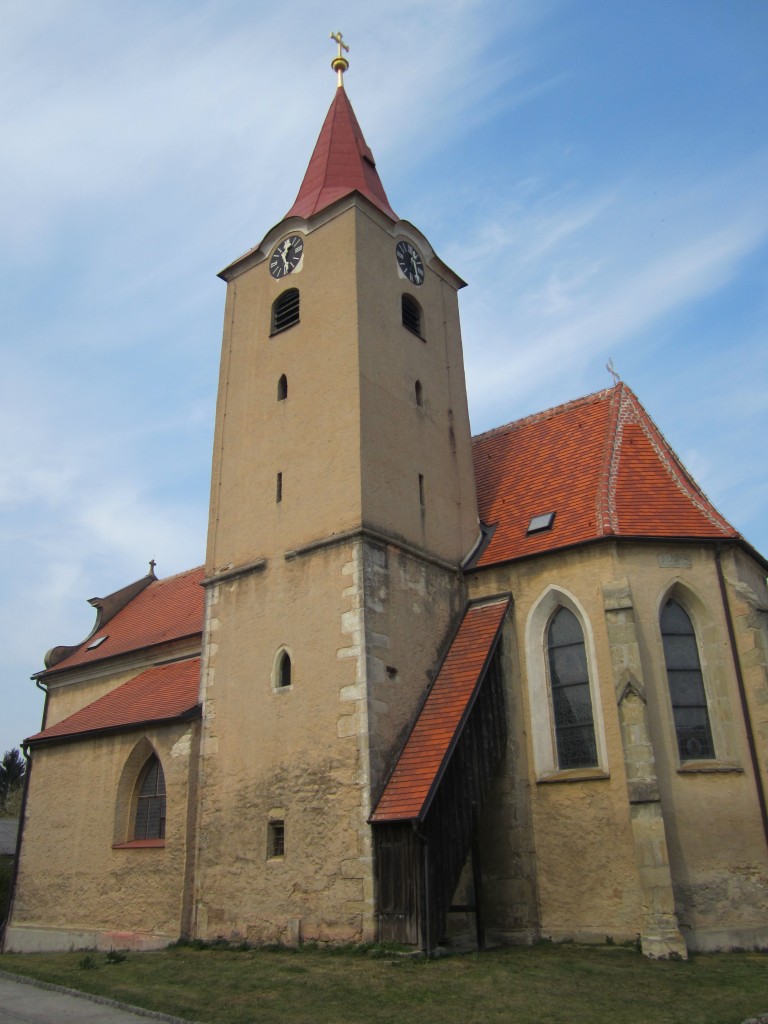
pixel 282 388
pixel 419 390
pixel 150 804
pixel 285 310
pixel 283 670
pixel 571 700
pixel 412 314
pixel 686 683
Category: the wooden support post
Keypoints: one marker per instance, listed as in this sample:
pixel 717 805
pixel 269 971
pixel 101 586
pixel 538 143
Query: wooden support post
pixel 477 886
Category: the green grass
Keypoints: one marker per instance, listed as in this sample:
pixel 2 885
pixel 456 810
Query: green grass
pixel 544 984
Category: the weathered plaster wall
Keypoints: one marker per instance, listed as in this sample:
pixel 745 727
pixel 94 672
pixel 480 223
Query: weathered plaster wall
pixel 412 607
pixel 308 755
pixel 588 842
pixel 717 847
pixel 586 876
pixel 292 754
pixel 74 890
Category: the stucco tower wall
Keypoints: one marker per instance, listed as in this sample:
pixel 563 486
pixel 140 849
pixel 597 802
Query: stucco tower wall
pixel 313 437
pixel 400 439
pixel 285 754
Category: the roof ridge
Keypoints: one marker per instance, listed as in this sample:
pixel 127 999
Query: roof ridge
pixel 606 489
pixel 554 410
pixel 178 575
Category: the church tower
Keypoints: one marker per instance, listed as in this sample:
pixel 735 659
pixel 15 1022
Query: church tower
pixel 342 507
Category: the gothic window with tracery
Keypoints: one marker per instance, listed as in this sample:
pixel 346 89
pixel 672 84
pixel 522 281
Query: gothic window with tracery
pixel 571 700
pixel 150 804
pixel 686 683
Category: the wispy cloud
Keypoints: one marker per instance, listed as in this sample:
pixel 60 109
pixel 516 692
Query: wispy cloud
pixel 144 147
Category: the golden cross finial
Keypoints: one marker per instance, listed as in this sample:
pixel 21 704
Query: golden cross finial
pixel 339 62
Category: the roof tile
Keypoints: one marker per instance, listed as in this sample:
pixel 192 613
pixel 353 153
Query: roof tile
pixel 166 610
pixel 601 465
pixel 162 693
pixel 340 164
pixel 442 714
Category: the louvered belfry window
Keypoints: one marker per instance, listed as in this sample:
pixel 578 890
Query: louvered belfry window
pixel 150 809
pixel 285 311
pixel 411 314
pixel 686 684
pixel 571 699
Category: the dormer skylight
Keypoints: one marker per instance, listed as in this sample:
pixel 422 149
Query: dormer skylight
pixel 541 522
pixel 97 642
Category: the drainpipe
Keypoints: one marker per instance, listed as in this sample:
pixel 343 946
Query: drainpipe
pixel 742 694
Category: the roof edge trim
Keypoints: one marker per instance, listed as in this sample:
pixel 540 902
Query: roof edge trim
pixel 88 734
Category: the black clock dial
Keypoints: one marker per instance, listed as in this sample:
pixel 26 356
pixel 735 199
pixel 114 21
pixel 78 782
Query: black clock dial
pixel 410 262
pixel 286 256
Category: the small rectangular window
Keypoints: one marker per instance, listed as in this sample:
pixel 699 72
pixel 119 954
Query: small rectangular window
pixel 276 839
pixel 541 522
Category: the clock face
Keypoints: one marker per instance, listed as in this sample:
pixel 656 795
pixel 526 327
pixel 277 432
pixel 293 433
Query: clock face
pixel 286 256
pixel 410 262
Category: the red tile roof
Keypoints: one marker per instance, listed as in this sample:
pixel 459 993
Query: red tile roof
pixel 166 610
pixel 160 694
pixel 340 164
pixel 601 465
pixel 419 767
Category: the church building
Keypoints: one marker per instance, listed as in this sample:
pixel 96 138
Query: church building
pixel 425 685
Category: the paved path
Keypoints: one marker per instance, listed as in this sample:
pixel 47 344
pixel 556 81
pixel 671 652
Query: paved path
pixel 24 1002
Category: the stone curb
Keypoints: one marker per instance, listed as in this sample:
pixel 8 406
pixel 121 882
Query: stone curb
pixel 101 1000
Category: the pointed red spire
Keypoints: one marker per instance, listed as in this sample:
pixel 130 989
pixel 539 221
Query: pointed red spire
pixel 341 164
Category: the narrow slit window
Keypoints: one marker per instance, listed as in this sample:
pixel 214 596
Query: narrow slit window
pixel 276 839
pixel 284 670
pixel 421 491
pixel 411 314
pixel 282 388
pixel 150 805
pixel 279 488
pixel 686 684
pixel 285 310
pixel 419 391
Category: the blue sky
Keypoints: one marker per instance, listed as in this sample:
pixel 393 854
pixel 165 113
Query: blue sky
pixel 597 170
